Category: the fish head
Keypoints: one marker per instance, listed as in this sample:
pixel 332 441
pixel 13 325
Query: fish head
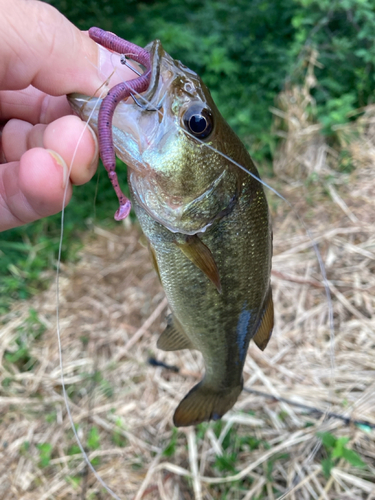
pixel 170 138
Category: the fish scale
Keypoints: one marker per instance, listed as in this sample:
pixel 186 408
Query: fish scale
pixel 206 223
pixel 209 319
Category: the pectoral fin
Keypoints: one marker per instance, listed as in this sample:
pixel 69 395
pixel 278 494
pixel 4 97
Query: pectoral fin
pixel 154 261
pixel 173 338
pixel 264 331
pixel 200 255
pixel 143 241
pixel 146 244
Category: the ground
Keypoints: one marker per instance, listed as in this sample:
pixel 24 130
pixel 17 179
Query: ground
pixel 111 312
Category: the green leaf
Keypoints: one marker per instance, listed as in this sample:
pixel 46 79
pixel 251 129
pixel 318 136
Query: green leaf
pixel 25 447
pixel 95 461
pixel 339 447
pixel 93 439
pixel 226 462
pixel 118 439
pixel 327 438
pixel 327 465
pixel 75 481
pixel 170 449
pixel 45 452
pixel 74 450
pixel 353 458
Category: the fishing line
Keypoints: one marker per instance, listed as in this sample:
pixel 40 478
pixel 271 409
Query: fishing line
pixel 58 265
pixel 316 250
pixel 294 211
pixel 58 331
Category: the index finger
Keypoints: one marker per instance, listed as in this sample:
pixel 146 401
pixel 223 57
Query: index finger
pixel 40 47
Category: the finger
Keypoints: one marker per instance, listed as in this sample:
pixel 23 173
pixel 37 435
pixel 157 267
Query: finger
pixel 39 46
pixel 14 140
pixel 20 136
pixel 76 142
pixel 71 138
pixel 32 105
pixel 32 188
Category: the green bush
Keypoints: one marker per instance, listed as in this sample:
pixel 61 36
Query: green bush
pixel 245 51
pixel 342 31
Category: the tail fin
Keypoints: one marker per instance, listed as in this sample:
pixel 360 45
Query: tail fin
pixel 204 403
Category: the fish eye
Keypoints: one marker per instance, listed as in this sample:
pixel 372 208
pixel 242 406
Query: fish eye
pixel 198 120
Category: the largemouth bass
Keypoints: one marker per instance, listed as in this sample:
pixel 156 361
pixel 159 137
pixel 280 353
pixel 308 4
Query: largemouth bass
pixel 206 222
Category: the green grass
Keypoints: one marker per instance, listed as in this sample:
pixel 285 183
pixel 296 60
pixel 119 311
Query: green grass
pixel 336 449
pixel 18 356
pixel 117 438
pixel 45 454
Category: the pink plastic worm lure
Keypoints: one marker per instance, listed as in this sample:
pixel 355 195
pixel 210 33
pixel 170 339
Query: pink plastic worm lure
pixel 115 95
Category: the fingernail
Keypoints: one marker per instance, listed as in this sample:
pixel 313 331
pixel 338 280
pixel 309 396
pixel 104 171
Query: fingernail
pixel 58 159
pixel 94 162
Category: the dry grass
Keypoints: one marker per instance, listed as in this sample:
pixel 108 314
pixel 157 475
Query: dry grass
pixel 303 150
pixel 112 310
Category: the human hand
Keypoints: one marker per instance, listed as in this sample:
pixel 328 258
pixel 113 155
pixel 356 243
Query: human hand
pixel 43 57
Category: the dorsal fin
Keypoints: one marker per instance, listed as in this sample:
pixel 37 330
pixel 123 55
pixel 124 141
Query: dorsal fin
pixel 264 331
pixel 173 338
pixel 201 256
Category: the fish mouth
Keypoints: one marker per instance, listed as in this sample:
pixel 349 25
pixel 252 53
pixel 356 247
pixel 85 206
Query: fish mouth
pixel 150 100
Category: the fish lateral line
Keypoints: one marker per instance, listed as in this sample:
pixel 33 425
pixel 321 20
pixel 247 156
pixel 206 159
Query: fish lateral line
pixel 205 144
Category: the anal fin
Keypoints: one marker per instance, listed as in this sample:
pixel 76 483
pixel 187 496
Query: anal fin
pixel 264 332
pixel 173 338
pixel 201 256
